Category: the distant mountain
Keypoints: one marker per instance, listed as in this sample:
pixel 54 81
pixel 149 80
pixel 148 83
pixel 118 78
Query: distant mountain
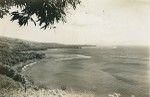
pixel 24 45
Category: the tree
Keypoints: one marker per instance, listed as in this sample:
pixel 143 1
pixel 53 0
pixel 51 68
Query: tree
pixel 42 12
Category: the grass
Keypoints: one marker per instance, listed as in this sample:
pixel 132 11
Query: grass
pixel 12 53
pixel 11 58
pixel 8 83
pixel 45 93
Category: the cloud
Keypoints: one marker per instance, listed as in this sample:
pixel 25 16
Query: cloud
pixel 96 22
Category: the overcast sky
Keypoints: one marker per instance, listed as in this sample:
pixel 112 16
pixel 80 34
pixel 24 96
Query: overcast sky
pixel 101 22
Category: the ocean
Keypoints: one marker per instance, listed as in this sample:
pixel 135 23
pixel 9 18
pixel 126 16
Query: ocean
pixel 102 71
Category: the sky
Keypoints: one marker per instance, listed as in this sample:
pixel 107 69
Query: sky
pixel 100 22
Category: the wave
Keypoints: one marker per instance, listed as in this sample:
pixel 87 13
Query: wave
pixel 28 65
pixel 71 57
pixel 127 57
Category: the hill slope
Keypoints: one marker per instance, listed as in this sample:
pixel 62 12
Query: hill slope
pixel 13 51
pixel 23 45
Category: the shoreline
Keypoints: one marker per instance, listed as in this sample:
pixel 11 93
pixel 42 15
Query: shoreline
pixel 16 73
pixel 30 90
pixel 23 69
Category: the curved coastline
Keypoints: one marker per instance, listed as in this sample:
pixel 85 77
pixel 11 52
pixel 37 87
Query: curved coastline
pixel 27 65
pixel 34 91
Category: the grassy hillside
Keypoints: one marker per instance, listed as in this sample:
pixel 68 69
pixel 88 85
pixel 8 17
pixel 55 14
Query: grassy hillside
pixel 8 83
pixel 23 45
pixel 15 51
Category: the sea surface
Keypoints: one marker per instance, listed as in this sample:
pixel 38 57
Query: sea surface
pixel 102 71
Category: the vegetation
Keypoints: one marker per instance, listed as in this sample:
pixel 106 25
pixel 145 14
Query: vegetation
pixel 6 70
pixel 15 51
pixel 47 12
pixel 8 83
pixel 12 52
pixel 45 93
pixel 15 57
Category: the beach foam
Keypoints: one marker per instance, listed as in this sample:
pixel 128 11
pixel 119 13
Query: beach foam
pixel 71 57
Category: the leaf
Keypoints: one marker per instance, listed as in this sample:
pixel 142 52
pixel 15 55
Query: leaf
pixel 47 12
pixel 33 21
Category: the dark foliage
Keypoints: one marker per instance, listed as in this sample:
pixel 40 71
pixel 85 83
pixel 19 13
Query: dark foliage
pixel 14 51
pixel 47 12
pixel 12 58
pixel 6 70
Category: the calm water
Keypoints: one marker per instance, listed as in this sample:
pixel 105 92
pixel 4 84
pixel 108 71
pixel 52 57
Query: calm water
pixel 100 70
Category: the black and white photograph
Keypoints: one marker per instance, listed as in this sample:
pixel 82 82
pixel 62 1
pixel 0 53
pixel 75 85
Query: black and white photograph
pixel 74 48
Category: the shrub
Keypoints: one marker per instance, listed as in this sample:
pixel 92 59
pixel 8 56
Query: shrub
pixel 6 70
